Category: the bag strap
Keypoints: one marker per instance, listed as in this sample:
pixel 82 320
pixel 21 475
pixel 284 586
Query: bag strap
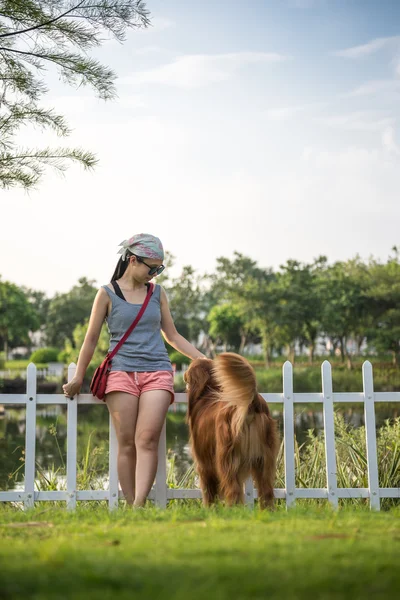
pixel 135 322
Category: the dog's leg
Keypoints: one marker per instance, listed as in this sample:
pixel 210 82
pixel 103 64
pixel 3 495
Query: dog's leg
pixel 263 472
pixel 231 483
pixel 228 464
pixel 233 491
pixel 209 485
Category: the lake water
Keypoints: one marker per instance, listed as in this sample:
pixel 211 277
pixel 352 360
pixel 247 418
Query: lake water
pixel 51 435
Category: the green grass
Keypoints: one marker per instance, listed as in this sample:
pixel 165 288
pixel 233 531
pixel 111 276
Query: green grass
pixel 190 553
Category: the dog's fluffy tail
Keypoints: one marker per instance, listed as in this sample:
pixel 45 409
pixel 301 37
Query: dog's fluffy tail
pixel 237 381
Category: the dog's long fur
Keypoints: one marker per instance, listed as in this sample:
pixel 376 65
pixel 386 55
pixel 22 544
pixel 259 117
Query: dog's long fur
pixel 231 431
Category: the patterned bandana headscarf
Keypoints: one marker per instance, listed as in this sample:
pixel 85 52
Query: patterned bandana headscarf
pixel 143 244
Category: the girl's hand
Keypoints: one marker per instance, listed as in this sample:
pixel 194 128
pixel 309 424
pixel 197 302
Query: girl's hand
pixel 72 387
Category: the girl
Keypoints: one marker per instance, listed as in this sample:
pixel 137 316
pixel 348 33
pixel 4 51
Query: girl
pixel 140 385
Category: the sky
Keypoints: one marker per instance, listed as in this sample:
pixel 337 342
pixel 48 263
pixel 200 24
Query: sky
pixel 269 128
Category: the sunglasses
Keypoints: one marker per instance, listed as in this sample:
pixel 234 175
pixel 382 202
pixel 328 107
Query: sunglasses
pixel 152 270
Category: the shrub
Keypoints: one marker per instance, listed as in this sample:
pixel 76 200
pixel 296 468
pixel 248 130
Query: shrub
pixel 179 359
pixel 44 355
pixel 2 360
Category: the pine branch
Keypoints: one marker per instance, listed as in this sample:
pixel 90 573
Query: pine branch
pixel 45 24
pixel 26 168
pixel 90 71
pixel 34 34
pixel 21 114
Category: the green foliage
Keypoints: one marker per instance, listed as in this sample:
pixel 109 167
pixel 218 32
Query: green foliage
pixel 40 303
pixel 250 289
pixel 68 310
pixel 309 380
pixel 44 355
pixel 72 348
pixel 179 359
pixel 184 298
pixel 299 305
pixel 244 304
pixel 225 325
pixel 351 458
pixel 17 316
pixel 384 330
pixel 36 35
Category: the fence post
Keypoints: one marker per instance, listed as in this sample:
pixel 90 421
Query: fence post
pixel 329 428
pixel 30 436
pixel 288 433
pixel 72 430
pixel 161 477
pixel 370 433
pixel 112 467
pixel 249 492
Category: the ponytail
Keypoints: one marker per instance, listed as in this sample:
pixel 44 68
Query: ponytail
pixel 121 267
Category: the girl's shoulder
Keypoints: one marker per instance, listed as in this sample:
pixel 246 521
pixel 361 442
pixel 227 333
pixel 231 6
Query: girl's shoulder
pixel 107 288
pixel 157 291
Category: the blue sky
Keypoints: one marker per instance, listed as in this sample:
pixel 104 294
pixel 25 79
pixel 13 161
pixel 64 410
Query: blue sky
pixel 270 128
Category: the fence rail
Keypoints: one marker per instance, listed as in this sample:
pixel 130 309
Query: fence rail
pixel 161 493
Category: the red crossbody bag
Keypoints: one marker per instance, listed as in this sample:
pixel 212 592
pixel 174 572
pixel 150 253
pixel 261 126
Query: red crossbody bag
pixel 99 380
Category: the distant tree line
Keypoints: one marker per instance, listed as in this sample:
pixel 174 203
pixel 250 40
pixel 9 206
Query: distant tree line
pixel 239 304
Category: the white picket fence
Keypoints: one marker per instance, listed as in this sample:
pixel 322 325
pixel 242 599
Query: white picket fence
pixel 161 493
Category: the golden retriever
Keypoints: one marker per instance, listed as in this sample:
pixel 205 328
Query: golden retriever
pixel 232 434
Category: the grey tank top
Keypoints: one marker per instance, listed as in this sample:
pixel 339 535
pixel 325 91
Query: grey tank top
pixel 144 350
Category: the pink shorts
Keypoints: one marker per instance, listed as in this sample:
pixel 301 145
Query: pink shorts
pixel 136 383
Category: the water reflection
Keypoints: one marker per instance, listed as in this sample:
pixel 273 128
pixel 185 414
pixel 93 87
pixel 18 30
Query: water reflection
pixel 92 444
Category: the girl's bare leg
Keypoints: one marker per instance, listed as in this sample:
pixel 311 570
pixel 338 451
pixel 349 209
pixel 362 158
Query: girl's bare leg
pixel 153 407
pixel 123 408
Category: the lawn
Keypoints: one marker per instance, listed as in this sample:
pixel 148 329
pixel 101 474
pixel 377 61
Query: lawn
pixel 190 553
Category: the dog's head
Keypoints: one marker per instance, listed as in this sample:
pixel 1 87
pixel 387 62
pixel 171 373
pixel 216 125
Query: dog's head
pixel 199 378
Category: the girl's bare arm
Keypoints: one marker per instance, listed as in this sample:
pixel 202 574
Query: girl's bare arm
pixel 97 316
pixel 171 334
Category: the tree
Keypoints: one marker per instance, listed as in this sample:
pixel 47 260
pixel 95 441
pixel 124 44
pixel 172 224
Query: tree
pixel 17 317
pixel 72 347
pixel 185 296
pixel 299 304
pixel 384 295
pixel 38 34
pixel 346 305
pixel 225 326
pixel 66 311
pixel 238 282
pixel 40 303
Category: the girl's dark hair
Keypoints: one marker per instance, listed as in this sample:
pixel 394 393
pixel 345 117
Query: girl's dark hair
pixel 121 267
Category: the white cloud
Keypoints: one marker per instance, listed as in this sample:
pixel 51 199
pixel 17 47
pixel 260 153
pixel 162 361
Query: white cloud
pixel 130 101
pixel 374 87
pixel 389 141
pixel 357 121
pixel 197 70
pixel 355 160
pixel 284 113
pixel 369 48
pixel 148 50
pixel 72 104
pixel 288 112
pixel 396 63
